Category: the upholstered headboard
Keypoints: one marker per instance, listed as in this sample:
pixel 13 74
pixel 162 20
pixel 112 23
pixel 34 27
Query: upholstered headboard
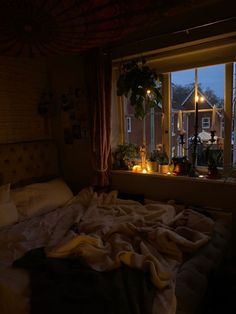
pixel 24 161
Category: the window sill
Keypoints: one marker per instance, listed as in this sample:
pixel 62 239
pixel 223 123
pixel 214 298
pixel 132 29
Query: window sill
pixel 214 193
pixel 203 178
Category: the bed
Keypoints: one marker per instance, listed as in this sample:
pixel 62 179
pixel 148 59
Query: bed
pixel 97 252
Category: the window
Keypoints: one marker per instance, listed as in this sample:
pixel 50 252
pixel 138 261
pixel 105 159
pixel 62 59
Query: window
pixel 128 124
pixel 205 122
pixel 216 85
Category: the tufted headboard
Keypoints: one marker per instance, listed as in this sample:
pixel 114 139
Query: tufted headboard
pixel 28 161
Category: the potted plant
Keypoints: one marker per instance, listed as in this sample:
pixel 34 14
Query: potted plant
pixel 212 156
pixel 141 85
pixel 162 159
pixel 124 156
pixel 152 161
pixel 181 165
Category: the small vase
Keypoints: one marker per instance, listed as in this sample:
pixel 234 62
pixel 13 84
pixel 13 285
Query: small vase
pixel 152 166
pixel 163 169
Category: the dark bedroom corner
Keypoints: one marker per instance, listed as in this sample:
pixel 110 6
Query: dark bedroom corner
pixel 117 157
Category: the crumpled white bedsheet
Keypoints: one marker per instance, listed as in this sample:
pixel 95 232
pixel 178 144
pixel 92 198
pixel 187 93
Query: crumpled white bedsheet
pixel 95 215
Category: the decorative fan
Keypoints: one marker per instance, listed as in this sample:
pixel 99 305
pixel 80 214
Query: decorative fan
pixel 52 27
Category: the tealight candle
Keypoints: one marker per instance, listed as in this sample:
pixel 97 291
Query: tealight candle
pixel 180 122
pixel 213 122
pixel 136 168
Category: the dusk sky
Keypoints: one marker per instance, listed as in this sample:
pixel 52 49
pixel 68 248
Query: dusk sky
pixel 211 76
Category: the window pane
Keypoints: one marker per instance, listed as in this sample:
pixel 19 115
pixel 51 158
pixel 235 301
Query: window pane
pixel 148 130
pixel 210 83
pixel 182 95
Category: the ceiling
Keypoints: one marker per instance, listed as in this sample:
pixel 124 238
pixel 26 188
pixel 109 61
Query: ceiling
pixel 31 28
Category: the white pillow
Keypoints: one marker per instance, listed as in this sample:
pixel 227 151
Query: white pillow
pixel 40 198
pixel 8 212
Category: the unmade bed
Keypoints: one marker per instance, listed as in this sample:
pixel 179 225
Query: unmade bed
pixel 99 253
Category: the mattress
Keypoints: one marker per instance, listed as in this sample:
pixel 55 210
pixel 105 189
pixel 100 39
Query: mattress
pixel 194 275
pixel 59 227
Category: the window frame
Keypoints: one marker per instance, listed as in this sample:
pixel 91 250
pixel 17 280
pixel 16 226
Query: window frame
pixel 228 169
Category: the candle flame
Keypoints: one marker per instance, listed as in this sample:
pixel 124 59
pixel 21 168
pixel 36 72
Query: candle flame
pixel 136 168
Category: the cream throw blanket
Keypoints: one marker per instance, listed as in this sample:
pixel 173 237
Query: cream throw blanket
pixel 152 238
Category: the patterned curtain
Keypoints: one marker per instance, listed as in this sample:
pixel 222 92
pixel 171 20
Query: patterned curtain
pixel 99 78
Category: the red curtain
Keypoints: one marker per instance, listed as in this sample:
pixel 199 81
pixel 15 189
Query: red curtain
pixel 99 88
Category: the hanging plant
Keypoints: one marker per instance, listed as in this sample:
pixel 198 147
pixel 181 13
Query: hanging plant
pixel 141 85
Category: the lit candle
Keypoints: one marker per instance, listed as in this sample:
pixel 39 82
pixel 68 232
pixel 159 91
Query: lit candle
pixel 196 100
pixel 196 113
pixel 180 122
pixel 136 168
pixel 213 123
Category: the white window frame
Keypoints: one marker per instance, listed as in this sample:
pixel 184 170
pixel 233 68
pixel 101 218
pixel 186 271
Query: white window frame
pixel 206 121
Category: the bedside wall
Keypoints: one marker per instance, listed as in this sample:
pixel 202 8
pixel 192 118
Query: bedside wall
pixel 66 74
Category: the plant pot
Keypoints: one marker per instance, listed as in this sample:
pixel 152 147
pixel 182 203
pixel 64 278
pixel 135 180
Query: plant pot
pixel 152 166
pixel 163 169
pixel 212 173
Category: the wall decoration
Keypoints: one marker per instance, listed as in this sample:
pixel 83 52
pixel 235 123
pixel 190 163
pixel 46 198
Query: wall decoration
pixel 74 115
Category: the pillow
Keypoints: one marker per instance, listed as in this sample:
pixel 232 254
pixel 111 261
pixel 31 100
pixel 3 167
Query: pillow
pixel 8 212
pixel 40 198
pixel 5 193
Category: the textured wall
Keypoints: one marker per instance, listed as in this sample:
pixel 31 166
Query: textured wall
pixel 66 74
pixel 22 82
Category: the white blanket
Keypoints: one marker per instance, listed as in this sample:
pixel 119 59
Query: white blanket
pixel 152 238
pixel 110 232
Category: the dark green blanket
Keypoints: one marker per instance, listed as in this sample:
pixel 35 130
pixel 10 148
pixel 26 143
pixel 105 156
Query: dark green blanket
pixel 70 286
